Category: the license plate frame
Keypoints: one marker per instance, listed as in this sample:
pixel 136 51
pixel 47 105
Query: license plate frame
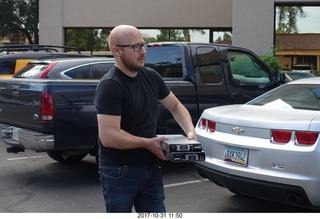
pixel 236 155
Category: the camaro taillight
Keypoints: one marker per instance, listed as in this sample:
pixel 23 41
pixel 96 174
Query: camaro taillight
pixel 211 126
pixel 301 138
pixel 47 107
pixel 281 136
pixel 306 138
pixel 208 125
pixel 203 123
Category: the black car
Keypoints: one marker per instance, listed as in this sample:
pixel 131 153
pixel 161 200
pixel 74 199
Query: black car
pixel 66 68
pixel 9 55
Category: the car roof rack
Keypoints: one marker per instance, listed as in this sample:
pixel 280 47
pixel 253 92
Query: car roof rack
pixel 35 47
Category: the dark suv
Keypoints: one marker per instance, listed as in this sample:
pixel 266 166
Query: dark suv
pixel 66 68
pixel 9 55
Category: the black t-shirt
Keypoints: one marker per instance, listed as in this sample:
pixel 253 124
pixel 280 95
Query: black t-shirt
pixel 136 101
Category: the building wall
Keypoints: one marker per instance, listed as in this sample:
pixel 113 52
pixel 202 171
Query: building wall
pixel 253 25
pixel 51 22
pixel 58 14
pixel 147 13
pixel 252 20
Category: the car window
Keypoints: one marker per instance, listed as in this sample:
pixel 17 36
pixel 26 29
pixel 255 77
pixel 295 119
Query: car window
pixel 91 71
pixel 165 60
pixel 32 70
pixel 296 96
pixel 247 69
pixel 82 72
pixel 100 69
pixel 7 66
pixel 209 65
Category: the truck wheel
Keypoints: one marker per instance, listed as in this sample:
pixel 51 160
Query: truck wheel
pixel 58 156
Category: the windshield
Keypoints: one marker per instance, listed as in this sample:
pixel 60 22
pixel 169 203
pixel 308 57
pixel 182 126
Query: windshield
pixel 297 96
pixel 299 75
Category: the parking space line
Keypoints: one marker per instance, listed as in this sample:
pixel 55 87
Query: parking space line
pixel 24 158
pixel 185 183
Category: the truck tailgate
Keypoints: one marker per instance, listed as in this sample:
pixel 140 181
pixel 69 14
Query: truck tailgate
pixel 20 102
pixel 73 123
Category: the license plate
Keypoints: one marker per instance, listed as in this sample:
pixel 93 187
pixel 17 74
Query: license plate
pixel 236 155
pixel 15 135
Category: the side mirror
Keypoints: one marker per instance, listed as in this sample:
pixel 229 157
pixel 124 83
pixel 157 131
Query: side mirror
pixel 280 77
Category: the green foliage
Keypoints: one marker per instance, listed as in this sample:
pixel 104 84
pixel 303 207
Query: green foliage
pixel 19 20
pixel 170 35
pixel 272 61
pixel 87 39
pixel 174 35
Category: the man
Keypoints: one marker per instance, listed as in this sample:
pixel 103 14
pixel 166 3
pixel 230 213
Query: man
pixel 127 108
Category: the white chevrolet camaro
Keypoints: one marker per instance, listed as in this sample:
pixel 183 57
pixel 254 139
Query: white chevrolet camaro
pixel 267 148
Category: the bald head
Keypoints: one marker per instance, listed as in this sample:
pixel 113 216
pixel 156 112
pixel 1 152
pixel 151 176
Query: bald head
pixel 123 34
pixel 128 48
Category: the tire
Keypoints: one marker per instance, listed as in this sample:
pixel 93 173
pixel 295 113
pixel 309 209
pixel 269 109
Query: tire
pixel 58 156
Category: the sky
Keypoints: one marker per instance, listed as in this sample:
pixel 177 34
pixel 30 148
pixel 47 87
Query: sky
pixel 310 24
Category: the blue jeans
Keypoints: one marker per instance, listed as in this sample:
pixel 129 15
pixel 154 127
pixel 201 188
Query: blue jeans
pixel 126 186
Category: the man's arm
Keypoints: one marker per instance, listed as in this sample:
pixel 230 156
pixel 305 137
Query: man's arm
pixel 111 135
pixel 180 114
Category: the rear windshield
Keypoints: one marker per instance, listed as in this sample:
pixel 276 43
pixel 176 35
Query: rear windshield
pixel 31 71
pixel 297 96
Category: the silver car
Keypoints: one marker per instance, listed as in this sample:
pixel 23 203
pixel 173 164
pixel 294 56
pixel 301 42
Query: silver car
pixel 267 148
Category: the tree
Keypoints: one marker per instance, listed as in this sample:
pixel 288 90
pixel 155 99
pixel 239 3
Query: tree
pixel 19 20
pixel 175 35
pixel 87 39
pixel 170 35
pixel 272 60
pixel 287 18
pixel 227 39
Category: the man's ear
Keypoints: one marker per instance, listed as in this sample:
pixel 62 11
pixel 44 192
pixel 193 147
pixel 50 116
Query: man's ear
pixel 116 51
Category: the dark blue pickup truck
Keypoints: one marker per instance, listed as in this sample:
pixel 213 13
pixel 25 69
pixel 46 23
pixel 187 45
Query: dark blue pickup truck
pixel 201 75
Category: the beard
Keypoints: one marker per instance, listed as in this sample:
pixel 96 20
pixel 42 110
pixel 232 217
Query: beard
pixel 131 64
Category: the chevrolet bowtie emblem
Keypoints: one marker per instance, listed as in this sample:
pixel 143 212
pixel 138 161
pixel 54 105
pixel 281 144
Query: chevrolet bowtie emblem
pixel 237 130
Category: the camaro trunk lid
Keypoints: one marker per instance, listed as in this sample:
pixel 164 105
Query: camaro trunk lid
pixel 264 117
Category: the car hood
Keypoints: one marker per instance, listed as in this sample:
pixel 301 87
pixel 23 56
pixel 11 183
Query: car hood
pixel 264 117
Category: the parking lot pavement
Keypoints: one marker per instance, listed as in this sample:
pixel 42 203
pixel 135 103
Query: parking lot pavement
pixel 33 183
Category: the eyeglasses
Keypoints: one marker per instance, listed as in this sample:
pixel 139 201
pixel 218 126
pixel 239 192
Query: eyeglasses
pixel 136 47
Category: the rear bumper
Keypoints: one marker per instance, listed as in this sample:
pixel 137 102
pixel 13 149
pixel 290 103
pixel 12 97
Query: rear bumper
pixel 282 193
pixel 26 139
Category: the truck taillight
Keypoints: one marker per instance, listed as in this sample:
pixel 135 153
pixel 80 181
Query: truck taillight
pixel 301 138
pixel 208 125
pixel 47 107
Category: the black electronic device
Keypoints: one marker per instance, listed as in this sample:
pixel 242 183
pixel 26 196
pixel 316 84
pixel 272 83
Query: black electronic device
pixel 178 148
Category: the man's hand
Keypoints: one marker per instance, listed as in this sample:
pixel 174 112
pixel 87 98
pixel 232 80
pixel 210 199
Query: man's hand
pixel 192 135
pixel 155 147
